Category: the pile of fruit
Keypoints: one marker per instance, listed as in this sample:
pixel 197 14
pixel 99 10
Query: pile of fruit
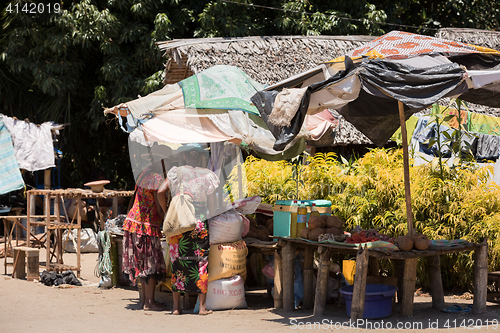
pixel 359 235
pixel 321 225
pixel 417 242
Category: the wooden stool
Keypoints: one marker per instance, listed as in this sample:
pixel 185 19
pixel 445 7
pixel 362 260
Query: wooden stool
pixel 20 252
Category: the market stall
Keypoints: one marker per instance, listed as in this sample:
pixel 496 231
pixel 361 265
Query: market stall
pixel 377 87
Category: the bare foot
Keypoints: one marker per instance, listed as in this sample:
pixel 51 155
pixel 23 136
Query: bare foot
pixel 155 307
pixel 204 313
pixel 177 312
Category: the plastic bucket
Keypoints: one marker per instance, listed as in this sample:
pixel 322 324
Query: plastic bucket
pixel 349 269
pixel 378 300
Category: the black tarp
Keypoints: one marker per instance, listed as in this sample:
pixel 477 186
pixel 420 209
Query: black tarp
pixel 375 111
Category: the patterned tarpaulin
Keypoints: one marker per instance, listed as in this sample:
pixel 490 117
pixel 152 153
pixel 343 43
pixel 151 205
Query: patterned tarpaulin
pixel 220 87
pixel 401 45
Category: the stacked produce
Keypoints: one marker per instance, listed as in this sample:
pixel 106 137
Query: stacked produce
pixel 323 226
pixel 417 242
pixel 261 227
pixel 359 235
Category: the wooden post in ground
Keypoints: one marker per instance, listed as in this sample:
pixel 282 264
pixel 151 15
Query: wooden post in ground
pixel 288 276
pixel 359 290
pixel 322 281
pixel 406 167
pixel 278 281
pixel 480 277
pixel 308 277
pixel 408 286
pixel 436 282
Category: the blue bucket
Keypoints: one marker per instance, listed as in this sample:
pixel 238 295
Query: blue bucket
pixel 378 300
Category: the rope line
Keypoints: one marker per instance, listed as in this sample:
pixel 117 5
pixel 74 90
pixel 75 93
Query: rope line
pixel 338 17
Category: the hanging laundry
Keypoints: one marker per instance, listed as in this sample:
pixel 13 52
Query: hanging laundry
pixel 33 144
pixel 10 175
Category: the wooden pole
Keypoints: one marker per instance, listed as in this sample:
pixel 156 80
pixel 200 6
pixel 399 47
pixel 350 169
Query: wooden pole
pixel 480 277
pixel 278 281
pixel 436 281
pixel 406 167
pixel 409 279
pixel 308 277
pixel 288 277
pixel 322 281
pixel 359 290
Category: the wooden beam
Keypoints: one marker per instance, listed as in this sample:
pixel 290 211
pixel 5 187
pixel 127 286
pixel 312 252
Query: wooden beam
pixel 278 281
pixel 322 281
pixel 406 167
pixel 359 290
pixel 436 282
pixel 408 286
pixel 480 278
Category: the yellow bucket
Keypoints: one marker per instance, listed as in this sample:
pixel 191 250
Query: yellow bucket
pixel 349 269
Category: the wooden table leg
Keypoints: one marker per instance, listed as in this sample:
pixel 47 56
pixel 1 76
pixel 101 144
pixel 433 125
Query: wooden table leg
pixel 288 276
pixel 359 289
pixel 409 279
pixel 278 281
pixel 308 277
pixel 322 281
pixel 436 282
pixel 480 278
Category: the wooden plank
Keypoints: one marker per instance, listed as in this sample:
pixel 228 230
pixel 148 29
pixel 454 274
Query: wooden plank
pixel 288 277
pixel 406 167
pixel 436 282
pixel 19 264
pixel 480 278
pixel 308 277
pixel 46 179
pixel 408 286
pixel 278 279
pixel 322 281
pixel 359 290
pixel 33 266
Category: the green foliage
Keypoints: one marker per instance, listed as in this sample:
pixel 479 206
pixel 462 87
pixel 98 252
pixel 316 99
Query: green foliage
pixel 370 193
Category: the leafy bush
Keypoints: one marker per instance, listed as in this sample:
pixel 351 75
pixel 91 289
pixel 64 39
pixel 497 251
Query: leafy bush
pixel 459 204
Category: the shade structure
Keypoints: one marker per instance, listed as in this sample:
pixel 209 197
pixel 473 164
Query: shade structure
pixel 212 106
pixel 385 82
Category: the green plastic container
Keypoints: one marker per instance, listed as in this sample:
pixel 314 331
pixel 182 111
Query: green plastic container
pixel 282 218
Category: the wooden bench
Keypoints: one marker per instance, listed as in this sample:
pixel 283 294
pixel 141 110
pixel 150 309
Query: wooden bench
pixel 20 253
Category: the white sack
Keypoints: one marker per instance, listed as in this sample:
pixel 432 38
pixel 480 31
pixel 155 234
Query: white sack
pixel 88 243
pixel 225 228
pixel 226 294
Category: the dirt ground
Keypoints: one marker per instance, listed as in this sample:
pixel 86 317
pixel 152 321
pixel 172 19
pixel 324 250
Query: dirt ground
pixel 33 307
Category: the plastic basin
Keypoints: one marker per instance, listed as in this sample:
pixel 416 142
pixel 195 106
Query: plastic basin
pixel 378 300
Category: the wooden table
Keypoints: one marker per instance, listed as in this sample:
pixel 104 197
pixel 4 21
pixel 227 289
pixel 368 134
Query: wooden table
pixel 55 223
pixel 407 266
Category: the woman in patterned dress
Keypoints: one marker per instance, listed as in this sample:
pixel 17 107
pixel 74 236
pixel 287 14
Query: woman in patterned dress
pixel 189 251
pixel 142 252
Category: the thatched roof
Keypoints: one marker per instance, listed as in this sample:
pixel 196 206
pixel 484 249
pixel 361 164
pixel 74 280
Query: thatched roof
pixel 268 60
pixel 478 37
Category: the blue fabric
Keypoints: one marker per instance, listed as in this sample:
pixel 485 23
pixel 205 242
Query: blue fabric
pixel 10 175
